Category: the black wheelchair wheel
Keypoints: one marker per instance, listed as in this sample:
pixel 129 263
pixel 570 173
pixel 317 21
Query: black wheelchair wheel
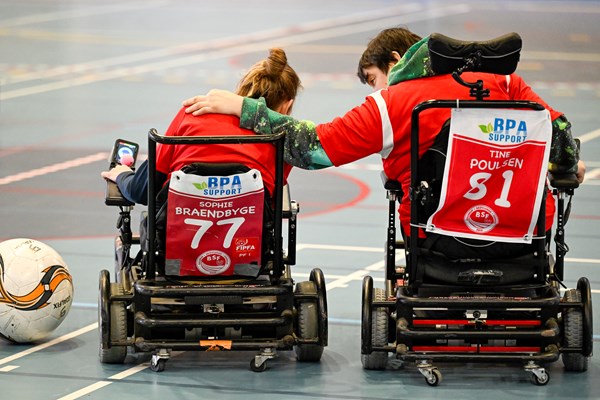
pixel 317 277
pixel 112 321
pixel 573 335
pixel 377 360
pixel 308 324
pixel 584 287
pixel 366 315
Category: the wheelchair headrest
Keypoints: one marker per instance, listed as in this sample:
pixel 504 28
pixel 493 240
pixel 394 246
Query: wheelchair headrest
pixel 496 56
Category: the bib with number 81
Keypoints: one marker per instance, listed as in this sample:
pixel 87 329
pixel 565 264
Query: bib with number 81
pixel 494 174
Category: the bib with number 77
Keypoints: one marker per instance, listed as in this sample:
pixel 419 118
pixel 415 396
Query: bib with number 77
pixel 214 223
pixel 494 175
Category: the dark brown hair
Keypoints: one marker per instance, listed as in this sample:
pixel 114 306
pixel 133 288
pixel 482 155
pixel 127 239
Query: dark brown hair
pixel 379 50
pixel 271 78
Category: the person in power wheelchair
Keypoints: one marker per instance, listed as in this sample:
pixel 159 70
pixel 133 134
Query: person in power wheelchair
pixel 481 283
pixel 211 273
pixel 382 124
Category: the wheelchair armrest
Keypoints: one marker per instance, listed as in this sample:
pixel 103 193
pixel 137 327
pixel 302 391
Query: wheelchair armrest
pixel 562 181
pixel 290 207
pixel 496 56
pixel 392 185
pixel 114 196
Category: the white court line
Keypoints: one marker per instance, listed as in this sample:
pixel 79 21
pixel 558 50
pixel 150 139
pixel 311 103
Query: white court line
pixel 380 250
pixel 590 136
pixel 230 49
pixel 583 260
pixel 50 343
pixel 340 248
pixel 53 168
pixel 9 368
pixel 355 276
pixel 339 282
pixel 197 47
pixel 62 15
pixel 100 384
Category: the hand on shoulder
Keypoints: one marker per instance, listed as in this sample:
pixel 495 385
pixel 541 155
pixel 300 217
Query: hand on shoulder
pixel 215 101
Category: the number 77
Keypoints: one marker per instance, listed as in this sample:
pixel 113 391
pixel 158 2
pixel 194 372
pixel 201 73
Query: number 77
pixel 204 225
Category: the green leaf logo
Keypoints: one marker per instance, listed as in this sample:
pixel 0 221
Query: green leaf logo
pixel 200 186
pixel 487 128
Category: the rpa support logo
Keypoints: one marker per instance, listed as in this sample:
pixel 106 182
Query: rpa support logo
pixel 505 130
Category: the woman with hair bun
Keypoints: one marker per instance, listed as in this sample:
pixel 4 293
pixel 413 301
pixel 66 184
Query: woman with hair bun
pixel 272 79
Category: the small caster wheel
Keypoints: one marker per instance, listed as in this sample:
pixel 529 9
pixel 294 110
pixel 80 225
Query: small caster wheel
pixel 540 379
pixel 434 377
pixel 257 368
pixel 158 364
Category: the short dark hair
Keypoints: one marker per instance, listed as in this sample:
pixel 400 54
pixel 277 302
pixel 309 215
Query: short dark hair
pixel 379 50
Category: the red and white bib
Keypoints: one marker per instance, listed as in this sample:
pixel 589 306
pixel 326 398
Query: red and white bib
pixel 213 223
pixel 494 175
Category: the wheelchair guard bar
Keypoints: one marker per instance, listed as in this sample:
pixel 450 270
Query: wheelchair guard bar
pixel 277 139
pixel 414 161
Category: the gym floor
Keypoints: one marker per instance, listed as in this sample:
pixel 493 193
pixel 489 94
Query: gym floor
pixel 75 75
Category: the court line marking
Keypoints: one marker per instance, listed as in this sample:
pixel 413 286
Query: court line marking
pixel 560 56
pixel 243 45
pixel 54 168
pixel 590 136
pixel 50 343
pixel 100 384
pixel 196 47
pixel 340 282
pixel 62 15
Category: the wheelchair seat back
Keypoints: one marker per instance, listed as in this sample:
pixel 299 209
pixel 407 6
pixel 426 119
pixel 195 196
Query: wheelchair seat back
pixel 486 214
pixel 494 175
pixel 479 199
pixel 215 215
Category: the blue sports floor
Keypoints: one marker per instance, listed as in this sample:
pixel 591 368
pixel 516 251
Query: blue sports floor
pixel 75 75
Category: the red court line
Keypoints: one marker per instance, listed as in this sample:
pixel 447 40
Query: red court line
pixel 363 188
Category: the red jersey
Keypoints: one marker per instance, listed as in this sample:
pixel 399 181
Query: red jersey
pixel 260 156
pixel 353 137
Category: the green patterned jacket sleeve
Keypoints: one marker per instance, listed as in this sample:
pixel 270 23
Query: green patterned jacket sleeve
pixel 302 147
pixel 564 152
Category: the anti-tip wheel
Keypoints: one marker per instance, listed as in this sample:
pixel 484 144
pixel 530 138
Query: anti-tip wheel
pixel 540 380
pixel 434 378
pixel 257 368
pixel 158 364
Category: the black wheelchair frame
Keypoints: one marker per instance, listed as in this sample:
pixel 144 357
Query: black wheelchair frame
pixel 144 312
pixel 406 319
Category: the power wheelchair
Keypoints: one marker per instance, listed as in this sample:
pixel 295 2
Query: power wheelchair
pixel 470 307
pixel 148 308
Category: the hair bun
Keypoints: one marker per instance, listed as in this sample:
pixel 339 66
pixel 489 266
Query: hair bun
pixel 275 64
